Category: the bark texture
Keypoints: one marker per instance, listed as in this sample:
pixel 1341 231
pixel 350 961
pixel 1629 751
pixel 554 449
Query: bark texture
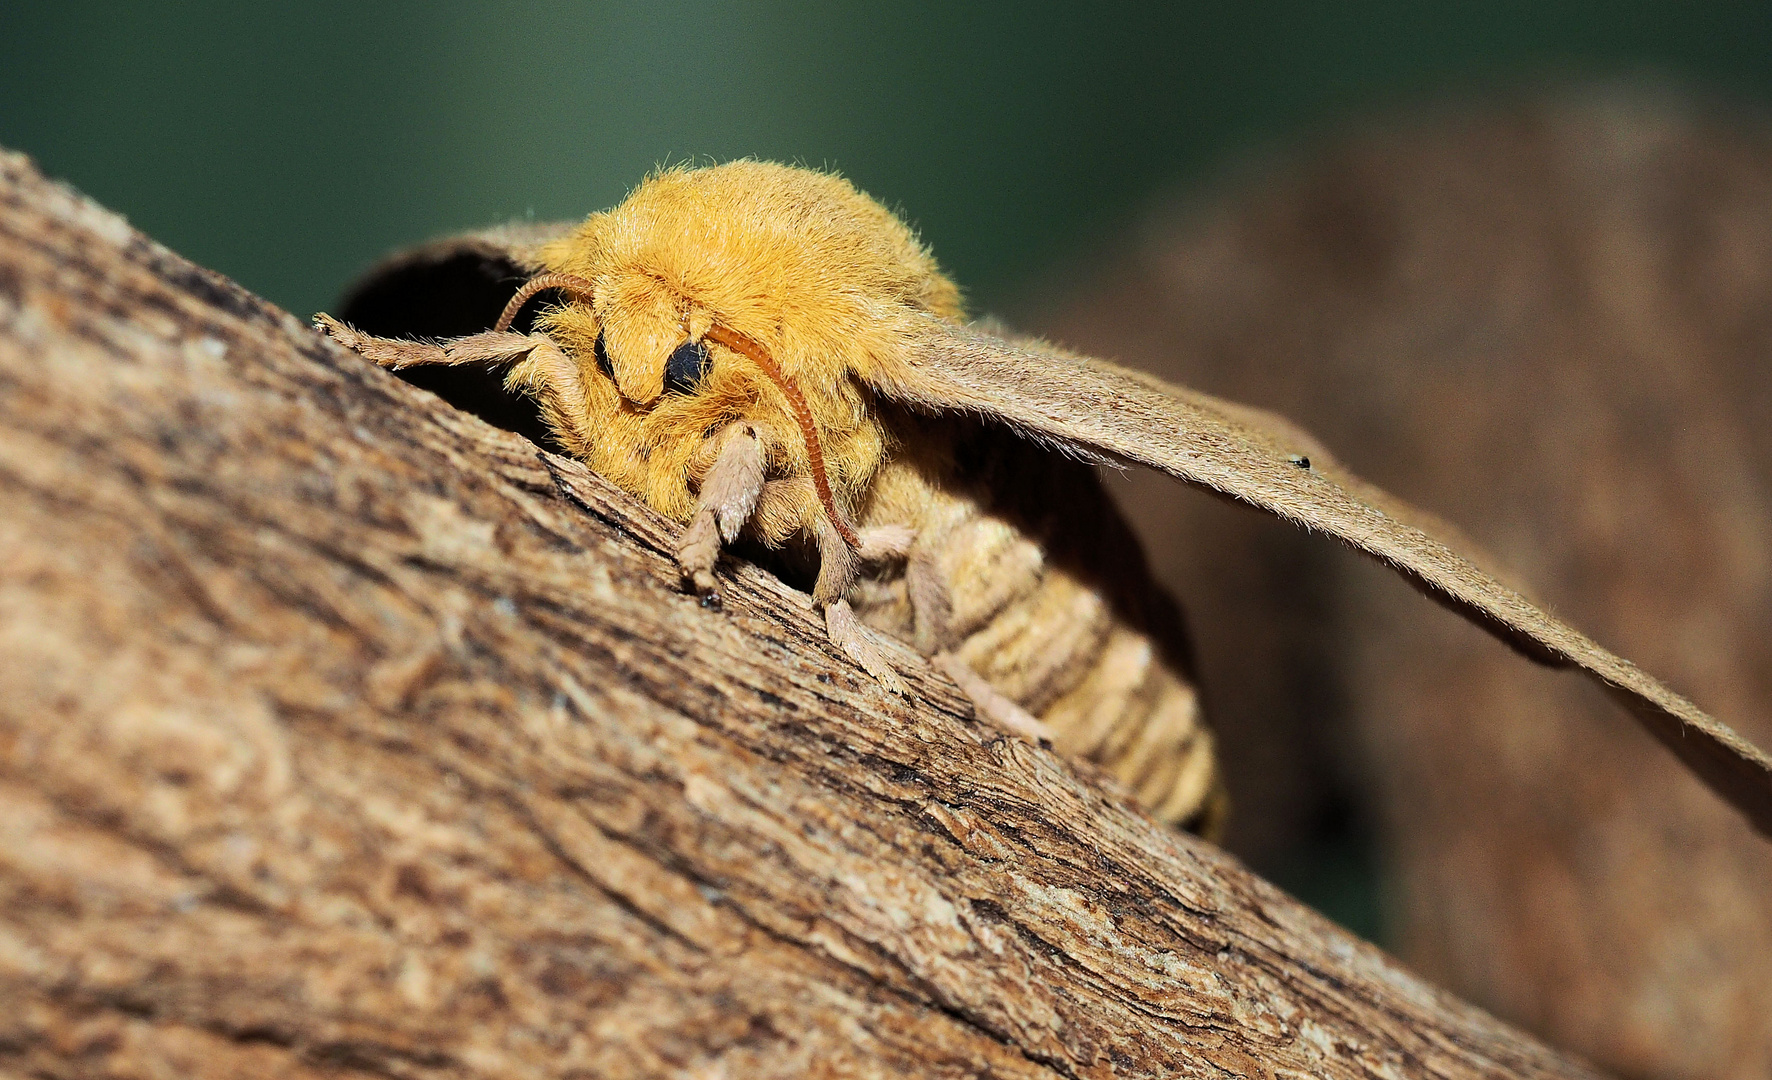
pixel 1550 323
pixel 342 734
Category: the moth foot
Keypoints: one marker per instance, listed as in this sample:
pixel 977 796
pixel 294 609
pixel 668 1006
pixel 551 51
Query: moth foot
pixel 697 552
pixel 343 333
pixel 859 644
pixel 989 702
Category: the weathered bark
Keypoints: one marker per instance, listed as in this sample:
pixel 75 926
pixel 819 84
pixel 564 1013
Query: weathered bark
pixel 1551 324
pixel 340 732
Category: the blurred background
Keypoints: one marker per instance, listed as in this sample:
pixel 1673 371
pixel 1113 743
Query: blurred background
pixel 1513 260
pixel 287 145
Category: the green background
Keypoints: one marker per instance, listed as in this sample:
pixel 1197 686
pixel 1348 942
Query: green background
pixel 288 147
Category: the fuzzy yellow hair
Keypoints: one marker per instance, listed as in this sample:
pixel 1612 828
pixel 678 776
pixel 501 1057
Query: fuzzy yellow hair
pixel 825 279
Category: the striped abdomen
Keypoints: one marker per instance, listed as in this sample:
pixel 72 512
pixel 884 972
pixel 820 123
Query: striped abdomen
pixel 1024 569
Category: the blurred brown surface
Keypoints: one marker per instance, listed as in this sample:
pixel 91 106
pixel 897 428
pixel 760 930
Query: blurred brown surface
pixel 1550 323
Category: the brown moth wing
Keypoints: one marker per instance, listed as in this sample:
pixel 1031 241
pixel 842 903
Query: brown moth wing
pixel 1092 407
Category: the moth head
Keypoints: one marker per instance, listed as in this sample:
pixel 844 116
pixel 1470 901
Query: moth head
pixel 741 291
pixel 799 261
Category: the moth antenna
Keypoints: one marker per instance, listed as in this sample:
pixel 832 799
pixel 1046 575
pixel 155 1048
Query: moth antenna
pixel 749 347
pixel 571 283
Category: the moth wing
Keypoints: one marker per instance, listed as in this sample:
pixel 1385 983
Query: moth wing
pixel 1097 409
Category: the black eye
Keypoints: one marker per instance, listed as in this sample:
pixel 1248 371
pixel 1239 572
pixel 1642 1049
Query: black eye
pixel 687 367
pixel 602 355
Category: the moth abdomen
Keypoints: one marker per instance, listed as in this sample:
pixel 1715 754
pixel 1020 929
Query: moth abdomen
pixel 1040 588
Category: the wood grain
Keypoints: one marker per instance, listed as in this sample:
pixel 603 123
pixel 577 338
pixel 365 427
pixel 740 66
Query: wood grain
pixel 342 734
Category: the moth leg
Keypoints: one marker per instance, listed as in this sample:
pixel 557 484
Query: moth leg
pixel 538 367
pixel 847 632
pixel 932 609
pixel 883 543
pixel 386 352
pixel 729 494
pixel 988 701
pixel 491 347
pixel 546 374
pixel 932 613
pixel 837 569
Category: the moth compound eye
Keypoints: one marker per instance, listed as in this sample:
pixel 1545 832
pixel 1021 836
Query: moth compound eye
pixel 687 367
pixel 601 352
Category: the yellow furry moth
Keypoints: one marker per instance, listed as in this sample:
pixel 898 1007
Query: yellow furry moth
pixel 770 357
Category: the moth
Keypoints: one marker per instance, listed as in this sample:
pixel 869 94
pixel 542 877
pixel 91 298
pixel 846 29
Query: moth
pixel 771 358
